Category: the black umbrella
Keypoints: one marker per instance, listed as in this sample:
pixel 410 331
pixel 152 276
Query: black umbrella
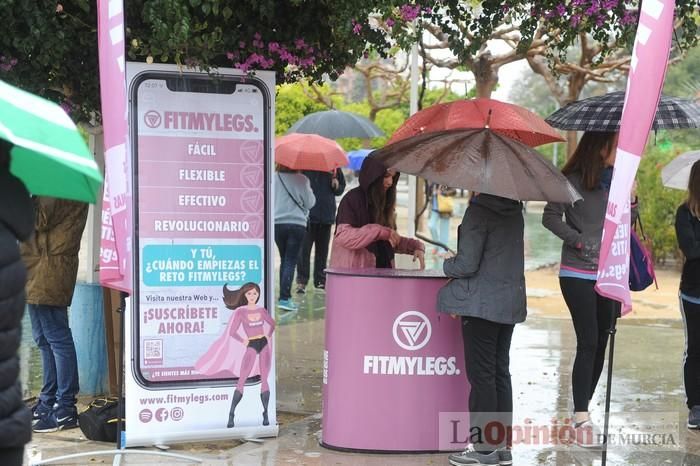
pixel 603 113
pixel 336 124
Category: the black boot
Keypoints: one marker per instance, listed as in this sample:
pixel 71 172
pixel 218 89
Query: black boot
pixel 236 399
pixel 265 397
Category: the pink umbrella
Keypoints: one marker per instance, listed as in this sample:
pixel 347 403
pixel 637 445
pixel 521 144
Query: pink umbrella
pixel 309 152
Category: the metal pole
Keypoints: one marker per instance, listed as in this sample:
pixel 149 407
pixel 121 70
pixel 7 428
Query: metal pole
pixel 612 330
pixel 413 108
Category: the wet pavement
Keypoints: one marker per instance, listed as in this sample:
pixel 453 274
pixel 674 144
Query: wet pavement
pixel 647 390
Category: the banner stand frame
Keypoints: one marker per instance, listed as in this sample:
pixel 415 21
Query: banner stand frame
pixel 120 451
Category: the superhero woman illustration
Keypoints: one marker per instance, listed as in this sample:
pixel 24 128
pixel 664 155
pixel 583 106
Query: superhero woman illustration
pixel 250 317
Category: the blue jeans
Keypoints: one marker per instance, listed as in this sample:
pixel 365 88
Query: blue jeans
pixel 289 238
pixel 55 341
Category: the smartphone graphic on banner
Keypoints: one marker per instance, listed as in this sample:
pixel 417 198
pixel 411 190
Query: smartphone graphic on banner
pixel 201 203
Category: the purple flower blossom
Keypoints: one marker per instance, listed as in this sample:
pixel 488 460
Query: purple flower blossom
pixel 550 14
pixel 390 23
pixel 409 12
pixel 357 28
pixel 257 36
pixel 610 4
pixel 575 20
pixel 561 9
pixel 299 43
pixel 241 44
pixel 577 3
pixel 593 9
pixel 273 47
pixel 628 18
pixel 229 55
pixel 600 20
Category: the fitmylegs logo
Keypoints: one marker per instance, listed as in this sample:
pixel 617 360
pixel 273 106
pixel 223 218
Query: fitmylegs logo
pixel 152 119
pixel 412 330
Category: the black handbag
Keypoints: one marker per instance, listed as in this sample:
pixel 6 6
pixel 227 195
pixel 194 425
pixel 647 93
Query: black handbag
pixel 99 420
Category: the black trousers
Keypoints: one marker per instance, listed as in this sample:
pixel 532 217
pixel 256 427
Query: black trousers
pixel 318 234
pixel 487 360
pixel 691 365
pixel 592 316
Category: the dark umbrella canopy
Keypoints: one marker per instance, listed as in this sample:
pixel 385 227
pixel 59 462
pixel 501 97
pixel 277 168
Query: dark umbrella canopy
pixel 336 124
pixel 479 160
pixel 603 113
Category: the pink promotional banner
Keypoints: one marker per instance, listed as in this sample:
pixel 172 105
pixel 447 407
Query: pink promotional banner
pixel 646 77
pixel 115 243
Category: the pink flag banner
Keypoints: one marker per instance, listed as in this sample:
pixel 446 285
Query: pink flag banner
pixel 646 77
pixel 115 245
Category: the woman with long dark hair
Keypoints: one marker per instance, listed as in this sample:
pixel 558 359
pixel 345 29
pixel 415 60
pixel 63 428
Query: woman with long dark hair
pixel 590 171
pixel 688 235
pixel 365 234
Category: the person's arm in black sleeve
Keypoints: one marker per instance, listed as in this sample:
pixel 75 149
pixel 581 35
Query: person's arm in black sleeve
pixel 687 240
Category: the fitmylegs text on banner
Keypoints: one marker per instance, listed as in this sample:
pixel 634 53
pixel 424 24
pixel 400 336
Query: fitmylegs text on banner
pixel 202 327
pixel 115 238
pixel 647 70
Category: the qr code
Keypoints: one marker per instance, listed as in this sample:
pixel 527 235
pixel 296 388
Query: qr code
pixel 153 349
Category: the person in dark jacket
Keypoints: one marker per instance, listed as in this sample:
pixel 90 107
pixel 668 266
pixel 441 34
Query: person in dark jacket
pixel 326 186
pixel 590 171
pixel 16 224
pixel 51 257
pixel 487 290
pixel 688 235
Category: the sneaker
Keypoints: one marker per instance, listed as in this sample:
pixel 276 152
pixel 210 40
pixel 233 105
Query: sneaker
pixel 39 409
pixel 56 420
pixel 301 289
pixel 505 457
pixel 694 417
pixel 588 435
pixel 320 286
pixel 287 305
pixel 473 457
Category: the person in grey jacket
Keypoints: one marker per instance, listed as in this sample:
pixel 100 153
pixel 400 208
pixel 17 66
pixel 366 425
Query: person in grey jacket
pixel 487 290
pixel 590 171
pixel 293 201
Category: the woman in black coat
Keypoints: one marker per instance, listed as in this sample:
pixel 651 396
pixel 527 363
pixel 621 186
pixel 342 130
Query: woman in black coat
pixel 16 224
pixel 688 235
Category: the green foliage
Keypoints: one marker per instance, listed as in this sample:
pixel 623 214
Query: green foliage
pixel 291 104
pixel 657 203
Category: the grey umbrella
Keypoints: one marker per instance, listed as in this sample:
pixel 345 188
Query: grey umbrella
pixel 480 160
pixel 675 174
pixel 336 124
pixel 603 113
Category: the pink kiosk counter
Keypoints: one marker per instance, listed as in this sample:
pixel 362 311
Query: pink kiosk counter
pixel 393 375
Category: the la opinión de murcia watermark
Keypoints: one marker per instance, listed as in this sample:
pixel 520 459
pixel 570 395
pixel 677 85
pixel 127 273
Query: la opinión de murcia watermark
pixel 654 431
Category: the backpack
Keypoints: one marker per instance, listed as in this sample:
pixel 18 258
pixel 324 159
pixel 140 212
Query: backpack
pixel 641 262
pixel 99 420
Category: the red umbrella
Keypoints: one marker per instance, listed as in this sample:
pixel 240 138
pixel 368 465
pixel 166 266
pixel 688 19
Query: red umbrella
pixel 507 119
pixel 309 152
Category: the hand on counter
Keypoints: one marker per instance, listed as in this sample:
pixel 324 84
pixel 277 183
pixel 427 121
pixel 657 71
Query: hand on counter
pixel 420 255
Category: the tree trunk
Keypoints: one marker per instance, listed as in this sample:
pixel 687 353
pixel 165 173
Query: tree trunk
pixel 485 75
pixel 576 83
